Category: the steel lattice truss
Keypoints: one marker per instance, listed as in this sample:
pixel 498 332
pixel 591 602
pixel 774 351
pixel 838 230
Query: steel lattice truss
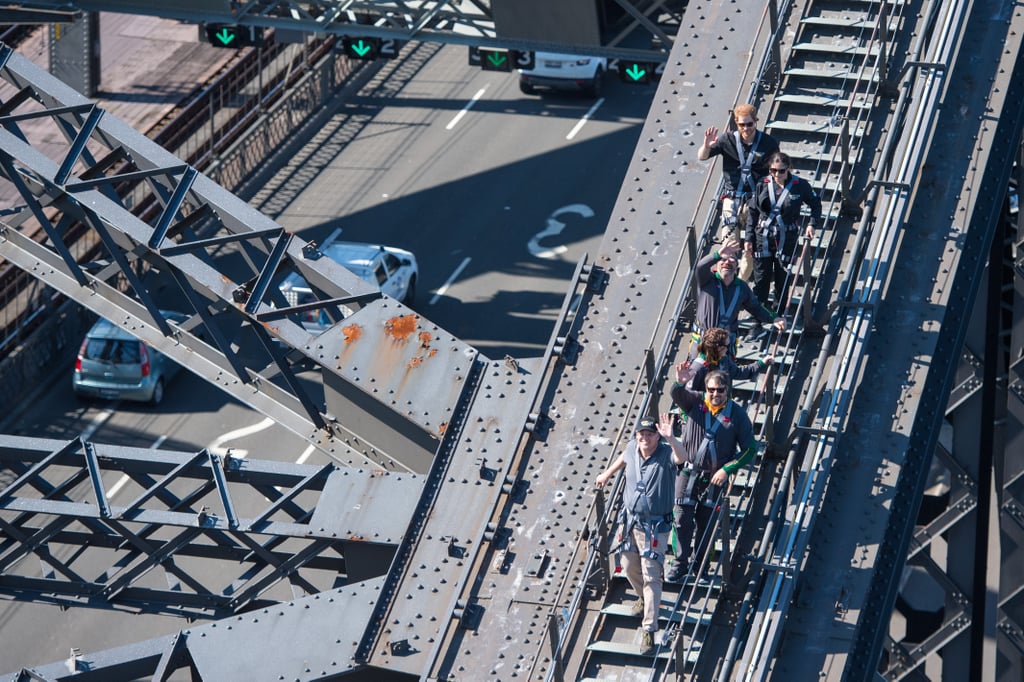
pixel 226 261
pixel 642 29
pixel 310 526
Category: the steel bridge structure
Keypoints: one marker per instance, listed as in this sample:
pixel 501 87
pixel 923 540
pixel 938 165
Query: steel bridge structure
pixel 491 563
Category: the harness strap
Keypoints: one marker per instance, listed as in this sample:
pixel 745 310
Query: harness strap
pixel 746 162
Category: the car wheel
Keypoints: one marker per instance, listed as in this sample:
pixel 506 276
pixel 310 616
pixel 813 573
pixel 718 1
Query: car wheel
pixel 158 393
pixel 526 88
pixel 595 88
pixel 410 291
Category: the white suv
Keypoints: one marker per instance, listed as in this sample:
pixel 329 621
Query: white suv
pixel 393 270
pixel 564 72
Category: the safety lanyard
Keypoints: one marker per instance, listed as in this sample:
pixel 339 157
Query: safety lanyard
pixel 711 424
pixel 776 215
pixel 725 313
pixel 642 484
pixel 746 161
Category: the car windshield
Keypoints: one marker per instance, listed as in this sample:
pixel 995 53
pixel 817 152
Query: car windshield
pixel 117 351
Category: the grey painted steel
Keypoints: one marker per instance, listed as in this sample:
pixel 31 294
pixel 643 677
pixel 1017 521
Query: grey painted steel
pixel 521 587
pixel 306 639
pixel 882 439
pixel 463 22
pixel 530 514
pixel 311 517
pixel 398 368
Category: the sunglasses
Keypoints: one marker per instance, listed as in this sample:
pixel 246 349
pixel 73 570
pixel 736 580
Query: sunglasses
pixel 745 125
pixel 715 389
pixel 777 170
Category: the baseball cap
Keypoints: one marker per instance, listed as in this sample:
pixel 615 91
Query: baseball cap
pixel 646 425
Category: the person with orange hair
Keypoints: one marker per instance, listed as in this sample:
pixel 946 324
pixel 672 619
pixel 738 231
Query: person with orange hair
pixel 743 151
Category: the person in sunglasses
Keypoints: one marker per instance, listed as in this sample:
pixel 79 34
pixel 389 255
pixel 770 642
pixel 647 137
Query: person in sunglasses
pixel 721 295
pixel 772 231
pixel 743 151
pixel 717 440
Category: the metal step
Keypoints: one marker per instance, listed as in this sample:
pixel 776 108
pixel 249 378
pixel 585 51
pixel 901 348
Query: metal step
pixel 822 101
pixel 852 50
pixel 836 73
pixel 825 127
pixel 629 649
pixel 664 614
pixel 846 22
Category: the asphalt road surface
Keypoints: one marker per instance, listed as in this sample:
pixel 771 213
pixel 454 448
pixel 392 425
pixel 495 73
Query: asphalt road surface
pixel 497 193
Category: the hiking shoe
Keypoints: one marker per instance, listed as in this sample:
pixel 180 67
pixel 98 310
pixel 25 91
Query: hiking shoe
pixel 637 608
pixel 677 573
pixel 647 643
pixel 756 332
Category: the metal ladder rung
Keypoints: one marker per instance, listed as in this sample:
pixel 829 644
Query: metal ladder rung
pixel 839 73
pixel 627 649
pixel 802 127
pixel 845 22
pixel 837 49
pixel 820 101
pixel 664 614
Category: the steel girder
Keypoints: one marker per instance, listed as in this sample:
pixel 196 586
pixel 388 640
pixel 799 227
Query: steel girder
pixel 192 518
pixel 644 31
pixel 391 381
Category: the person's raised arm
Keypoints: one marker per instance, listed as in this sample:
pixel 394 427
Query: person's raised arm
pixel 665 431
pixel 710 142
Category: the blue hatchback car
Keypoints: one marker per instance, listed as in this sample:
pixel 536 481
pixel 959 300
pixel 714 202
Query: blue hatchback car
pixel 115 365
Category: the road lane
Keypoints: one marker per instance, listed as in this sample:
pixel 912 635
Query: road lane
pixel 468 201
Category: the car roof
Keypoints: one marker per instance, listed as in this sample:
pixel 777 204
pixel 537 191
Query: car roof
pixel 105 329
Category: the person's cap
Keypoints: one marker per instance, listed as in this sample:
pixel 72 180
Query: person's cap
pixel 646 425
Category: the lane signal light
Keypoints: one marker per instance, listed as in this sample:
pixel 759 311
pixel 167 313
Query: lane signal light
pixel 233 36
pixel 635 72
pixel 361 48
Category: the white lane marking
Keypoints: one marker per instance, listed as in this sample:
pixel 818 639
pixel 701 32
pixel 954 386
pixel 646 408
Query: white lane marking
pixel 98 421
pixel 586 117
pixel 305 455
pixel 123 481
pixel 451 280
pixel 458 117
pixel 217 446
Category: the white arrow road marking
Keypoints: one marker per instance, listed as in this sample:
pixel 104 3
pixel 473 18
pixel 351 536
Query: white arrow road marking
pixel 554 227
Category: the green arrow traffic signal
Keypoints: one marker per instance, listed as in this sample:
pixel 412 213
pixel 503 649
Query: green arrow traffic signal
pixel 225 36
pixel 361 48
pixel 634 72
pixel 233 36
pixel 494 60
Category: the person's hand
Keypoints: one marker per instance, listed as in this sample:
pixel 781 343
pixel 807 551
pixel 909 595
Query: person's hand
pixel 602 478
pixel 730 248
pixel 779 323
pixel 768 359
pixel 665 423
pixel 684 372
pixel 710 137
pixel 810 232
pixel 720 477
pixel 749 248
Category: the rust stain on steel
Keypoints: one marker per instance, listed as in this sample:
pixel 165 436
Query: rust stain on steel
pixel 425 339
pixel 441 428
pixel 432 353
pixel 415 362
pixel 400 328
pixel 352 332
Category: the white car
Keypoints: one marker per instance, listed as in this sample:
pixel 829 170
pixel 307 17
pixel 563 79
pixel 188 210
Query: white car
pixel 564 72
pixel 393 270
